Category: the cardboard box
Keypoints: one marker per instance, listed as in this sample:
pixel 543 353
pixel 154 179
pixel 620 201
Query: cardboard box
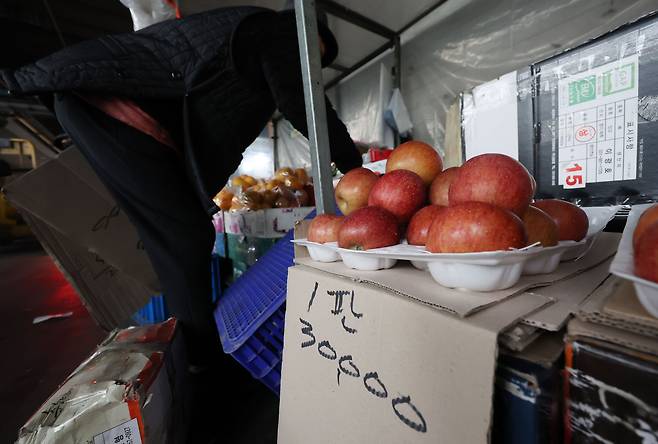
pixel 391 356
pixel 612 391
pixel 131 390
pixel 274 222
pixel 93 243
pixel 110 296
pixel 66 194
pixel 363 363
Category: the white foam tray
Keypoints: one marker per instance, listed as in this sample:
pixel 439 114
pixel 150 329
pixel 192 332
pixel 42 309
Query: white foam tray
pixel 482 271
pixel 623 263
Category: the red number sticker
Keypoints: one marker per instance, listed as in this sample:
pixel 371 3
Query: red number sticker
pixel 585 134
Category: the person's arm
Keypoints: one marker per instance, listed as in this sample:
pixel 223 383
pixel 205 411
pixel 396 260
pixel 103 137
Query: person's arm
pixel 282 70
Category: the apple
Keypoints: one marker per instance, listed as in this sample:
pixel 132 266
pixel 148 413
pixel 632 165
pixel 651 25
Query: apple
pixel 540 227
pixel 353 189
pixel 420 223
pixel 324 228
pixel 572 222
pixel 534 185
pixel 367 228
pixel 647 219
pixel 418 157
pixel 441 185
pixel 495 179
pixel 646 254
pixel 475 226
pixel 401 192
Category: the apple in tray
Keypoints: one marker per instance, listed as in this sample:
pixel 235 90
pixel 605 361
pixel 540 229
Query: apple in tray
pixel 495 179
pixel 365 229
pixel 572 222
pixel 322 229
pixel 540 227
pixel 648 218
pixel 441 186
pixel 418 157
pixel 401 192
pixel 646 254
pixel 353 189
pixel 474 227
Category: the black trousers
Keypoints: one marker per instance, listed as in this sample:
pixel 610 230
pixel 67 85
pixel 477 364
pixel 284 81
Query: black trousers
pixel 148 181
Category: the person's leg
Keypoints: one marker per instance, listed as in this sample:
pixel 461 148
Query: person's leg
pixel 149 183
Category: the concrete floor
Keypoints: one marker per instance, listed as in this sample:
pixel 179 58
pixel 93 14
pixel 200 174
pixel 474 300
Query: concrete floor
pixel 37 358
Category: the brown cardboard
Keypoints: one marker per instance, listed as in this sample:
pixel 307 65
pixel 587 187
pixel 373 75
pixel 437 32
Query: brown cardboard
pixel 110 296
pixel 518 337
pixel 578 328
pixel 66 194
pixel 545 350
pixel 419 285
pixel 568 295
pixel 624 304
pixel 334 354
pixel 624 311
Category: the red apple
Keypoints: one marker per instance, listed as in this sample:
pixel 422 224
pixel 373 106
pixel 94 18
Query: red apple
pixel 646 254
pixel 441 185
pixel 367 228
pixel 324 228
pixel 420 224
pixel 418 157
pixel 572 222
pixel 647 219
pixel 401 192
pixel 496 179
pixel 540 227
pixel 353 189
pixel 475 226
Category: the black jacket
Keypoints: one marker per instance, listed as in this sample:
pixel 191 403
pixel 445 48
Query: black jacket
pixel 227 69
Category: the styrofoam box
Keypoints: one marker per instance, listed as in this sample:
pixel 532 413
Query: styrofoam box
pixel 623 263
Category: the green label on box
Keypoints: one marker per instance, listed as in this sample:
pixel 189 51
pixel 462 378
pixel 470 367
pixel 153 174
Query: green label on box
pixel 582 90
pixel 619 79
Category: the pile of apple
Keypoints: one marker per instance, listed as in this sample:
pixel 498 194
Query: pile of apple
pixel 645 245
pixel 484 205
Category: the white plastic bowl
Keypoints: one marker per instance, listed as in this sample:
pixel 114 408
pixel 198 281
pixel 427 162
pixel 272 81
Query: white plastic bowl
pixel 546 260
pixel 322 253
pixel 365 262
pixel 476 277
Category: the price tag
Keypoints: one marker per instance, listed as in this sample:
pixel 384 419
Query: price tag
pixel 126 433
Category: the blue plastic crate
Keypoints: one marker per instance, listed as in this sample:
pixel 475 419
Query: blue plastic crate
pixel 155 311
pixel 250 315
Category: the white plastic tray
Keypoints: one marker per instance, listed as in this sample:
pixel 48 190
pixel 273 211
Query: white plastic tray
pixel 623 263
pixel 483 271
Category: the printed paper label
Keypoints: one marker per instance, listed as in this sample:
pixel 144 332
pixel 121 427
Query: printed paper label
pixel 126 433
pixel 597 124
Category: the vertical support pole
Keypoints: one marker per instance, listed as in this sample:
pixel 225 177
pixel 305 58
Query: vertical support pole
pixel 275 142
pixel 397 78
pixel 316 113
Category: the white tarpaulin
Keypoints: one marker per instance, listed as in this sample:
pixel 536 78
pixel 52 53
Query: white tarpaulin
pixel 468 42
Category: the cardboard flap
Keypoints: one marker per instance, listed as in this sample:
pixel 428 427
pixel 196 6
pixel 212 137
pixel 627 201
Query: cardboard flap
pixel 568 295
pixel 419 285
pixel 579 328
pixel 615 304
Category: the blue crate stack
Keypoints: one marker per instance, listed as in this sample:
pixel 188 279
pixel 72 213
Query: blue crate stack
pixel 250 315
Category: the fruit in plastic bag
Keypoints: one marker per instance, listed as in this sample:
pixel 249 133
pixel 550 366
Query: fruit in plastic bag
pixel 223 199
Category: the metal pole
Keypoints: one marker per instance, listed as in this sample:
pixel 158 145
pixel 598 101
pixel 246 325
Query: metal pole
pixel 397 79
pixel 316 113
